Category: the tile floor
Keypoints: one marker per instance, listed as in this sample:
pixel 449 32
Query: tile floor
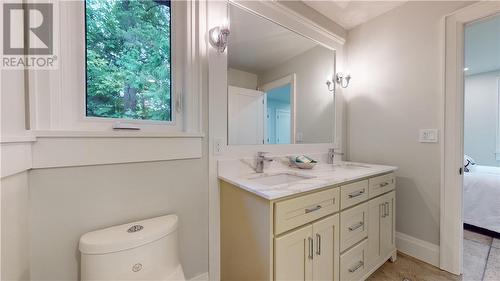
pixel 481 257
pixel 408 268
pixel 481 263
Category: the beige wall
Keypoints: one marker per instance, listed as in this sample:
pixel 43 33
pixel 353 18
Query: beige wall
pixel 315 109
pixel 242 79
pixel 395 61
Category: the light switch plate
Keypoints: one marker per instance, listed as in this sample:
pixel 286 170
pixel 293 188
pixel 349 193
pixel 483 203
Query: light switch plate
pixel 428 135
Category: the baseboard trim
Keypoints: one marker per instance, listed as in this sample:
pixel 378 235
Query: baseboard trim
pixel 417 248
pixel 201 277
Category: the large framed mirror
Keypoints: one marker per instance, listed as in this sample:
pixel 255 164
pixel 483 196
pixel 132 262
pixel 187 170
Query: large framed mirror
pixel 280 84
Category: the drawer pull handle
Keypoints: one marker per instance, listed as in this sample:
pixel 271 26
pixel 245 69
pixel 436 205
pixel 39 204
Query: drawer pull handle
pixel 318 244
pixel 356 226
pixel 309 210
pixel 310 240
pixel 356 267
pixel 384 184
pixel 357 193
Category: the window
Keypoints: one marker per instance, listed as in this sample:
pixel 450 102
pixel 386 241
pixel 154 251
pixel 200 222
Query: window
pixel 128 59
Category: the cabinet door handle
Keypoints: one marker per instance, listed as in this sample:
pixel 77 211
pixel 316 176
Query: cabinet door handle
pixel 382 210
pixel 384 184
pixel 318 244
pixel 357 193
pixel 387 208
pixel 309 210
pixel 356 226
pixel 356 267
pixel 310 240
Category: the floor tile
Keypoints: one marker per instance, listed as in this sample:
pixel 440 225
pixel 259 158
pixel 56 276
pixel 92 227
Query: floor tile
pixel 492 272
pixel 475 256
pixel 496 243
pixel 412 269
pixel 481 238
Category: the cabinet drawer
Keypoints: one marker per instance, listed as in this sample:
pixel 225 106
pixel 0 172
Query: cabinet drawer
pixel 295 212
pixel 354 193
pixel 381 184
pixel 353 263
pixel 353 226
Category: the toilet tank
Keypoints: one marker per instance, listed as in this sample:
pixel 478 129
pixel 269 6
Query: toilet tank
pixel 142 250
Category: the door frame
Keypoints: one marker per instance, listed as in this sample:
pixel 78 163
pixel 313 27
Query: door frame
pixel 289 79
pixel 451 221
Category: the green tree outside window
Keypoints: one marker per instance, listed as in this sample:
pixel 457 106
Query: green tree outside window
pixel 128 59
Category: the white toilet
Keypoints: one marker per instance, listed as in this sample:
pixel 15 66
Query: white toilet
pixel 143 250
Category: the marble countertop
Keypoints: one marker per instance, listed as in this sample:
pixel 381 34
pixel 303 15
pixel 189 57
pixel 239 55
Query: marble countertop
pixel 240 173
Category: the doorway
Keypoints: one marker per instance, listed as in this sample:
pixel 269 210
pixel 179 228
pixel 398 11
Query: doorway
pixel 452 245
pixel 481 176
pixel 280 110
pixel 278 115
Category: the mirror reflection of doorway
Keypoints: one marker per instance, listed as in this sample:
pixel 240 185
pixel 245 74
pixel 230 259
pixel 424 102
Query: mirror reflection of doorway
pixel 280 110
pixel 278 115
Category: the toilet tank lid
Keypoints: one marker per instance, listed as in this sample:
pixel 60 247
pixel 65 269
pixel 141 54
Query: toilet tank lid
pixel 127 236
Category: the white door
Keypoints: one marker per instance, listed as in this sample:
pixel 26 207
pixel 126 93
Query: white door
pixel 387 239
pixel 326 249
pixel 246 111
pixel 294 253
pixel 283 126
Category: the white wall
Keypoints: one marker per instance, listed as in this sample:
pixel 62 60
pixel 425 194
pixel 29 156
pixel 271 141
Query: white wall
pixel 242 79
pixel 481 117
pixel 68 202
pixel 13 188
pixel 15 227
pixel 396 64
pixel 315 109
pixel 44 211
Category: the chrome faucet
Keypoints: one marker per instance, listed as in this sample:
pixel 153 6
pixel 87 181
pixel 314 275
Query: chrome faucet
pixel 331 155
pixel 259 161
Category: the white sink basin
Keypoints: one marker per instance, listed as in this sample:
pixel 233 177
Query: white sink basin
pixel 281 178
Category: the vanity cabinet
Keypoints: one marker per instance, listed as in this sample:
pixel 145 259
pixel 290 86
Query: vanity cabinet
pixel 309 253
pixel 340 232
pixel 381 236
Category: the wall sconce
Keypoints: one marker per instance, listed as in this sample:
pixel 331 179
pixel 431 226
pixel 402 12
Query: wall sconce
pixel 342 79
pixel 219 37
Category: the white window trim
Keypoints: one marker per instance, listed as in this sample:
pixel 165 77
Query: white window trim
pixel 58 97
pixel 497 151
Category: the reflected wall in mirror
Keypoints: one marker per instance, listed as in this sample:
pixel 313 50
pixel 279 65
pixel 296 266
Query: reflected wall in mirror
pixel 277 92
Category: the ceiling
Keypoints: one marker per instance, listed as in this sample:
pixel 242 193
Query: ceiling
pixel 482 46
pixel 349 14
pixel 255 52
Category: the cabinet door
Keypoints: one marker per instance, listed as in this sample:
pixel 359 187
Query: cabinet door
pixel 376 211
pixel 387 223
pixel 294 253
pixel 326 249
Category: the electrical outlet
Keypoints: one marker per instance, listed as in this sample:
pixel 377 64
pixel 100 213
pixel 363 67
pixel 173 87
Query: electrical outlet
pixel 428 135
pixel 218 146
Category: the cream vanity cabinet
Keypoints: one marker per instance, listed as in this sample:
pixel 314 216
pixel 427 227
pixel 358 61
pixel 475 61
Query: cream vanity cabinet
pixel 342 232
